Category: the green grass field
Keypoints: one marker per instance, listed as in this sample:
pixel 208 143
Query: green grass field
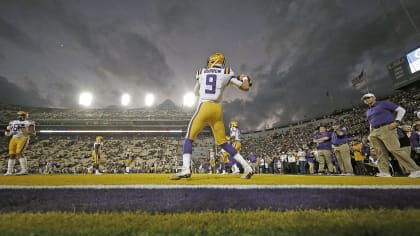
pixel 305 222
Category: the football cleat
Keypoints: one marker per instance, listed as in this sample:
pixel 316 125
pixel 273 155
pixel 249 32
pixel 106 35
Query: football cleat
pixel 7 174
pixel 22 172
pixel 248 172
pixel 183 174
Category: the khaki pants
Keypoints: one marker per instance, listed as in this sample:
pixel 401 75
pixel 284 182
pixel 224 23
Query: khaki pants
pixel 342 153
pixel 311 167
pixel 385 140
pixel 324 156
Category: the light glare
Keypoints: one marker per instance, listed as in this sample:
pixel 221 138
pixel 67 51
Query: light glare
pixel 85 99
pixel 125 99
pixel 189 99
pixel 150 99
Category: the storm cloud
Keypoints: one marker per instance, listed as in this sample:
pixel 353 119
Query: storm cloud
pixel 301 55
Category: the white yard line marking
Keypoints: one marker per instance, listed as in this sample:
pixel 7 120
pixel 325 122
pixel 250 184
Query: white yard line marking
pixel 240 187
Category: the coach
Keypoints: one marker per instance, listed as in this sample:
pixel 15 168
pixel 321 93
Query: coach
pixel 383 135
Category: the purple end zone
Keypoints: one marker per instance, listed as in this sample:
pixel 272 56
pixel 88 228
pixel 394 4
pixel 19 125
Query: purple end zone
pixel 189 199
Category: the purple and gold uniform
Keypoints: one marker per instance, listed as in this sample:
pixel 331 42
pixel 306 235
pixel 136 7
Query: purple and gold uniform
pixel 211 82
pixel 129 155
pixel 20 130
pixel 212 160
pixel 97 153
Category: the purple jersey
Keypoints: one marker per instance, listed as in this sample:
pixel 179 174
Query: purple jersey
pixel 326 145
pixel 381 113
pixel 338 140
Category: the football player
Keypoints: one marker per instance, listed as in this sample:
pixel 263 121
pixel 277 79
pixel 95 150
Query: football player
pixel 129 155
pixel 235 141
pixel 209 87
pixel 224 159
pixel 212 161
pixel 97 153
pixel 20 130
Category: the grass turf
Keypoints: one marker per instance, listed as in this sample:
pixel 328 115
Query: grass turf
pixel 201 179
pixel 264 222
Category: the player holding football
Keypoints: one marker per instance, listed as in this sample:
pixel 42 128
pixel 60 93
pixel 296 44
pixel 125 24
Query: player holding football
pixel 20 130
pixel 210 85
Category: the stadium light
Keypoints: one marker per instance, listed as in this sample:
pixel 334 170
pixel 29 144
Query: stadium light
pixel 85 99
pixel 189 99
pixel 125 99
pixel 149 100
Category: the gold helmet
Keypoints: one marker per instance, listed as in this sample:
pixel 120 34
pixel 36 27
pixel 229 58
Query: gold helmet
pixel 234 123
pixel 128 150
pixel 22 115
pixel 216 59
pixel 99 139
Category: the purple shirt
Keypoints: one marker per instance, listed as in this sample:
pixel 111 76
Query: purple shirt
pixel 381 113
pixel 414 139
pixel 252 158
pixel 326 145
pixel 338 140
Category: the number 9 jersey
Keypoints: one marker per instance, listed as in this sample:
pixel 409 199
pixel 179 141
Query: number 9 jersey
pixel 212 82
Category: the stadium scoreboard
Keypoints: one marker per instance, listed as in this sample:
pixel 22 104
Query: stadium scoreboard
pixel 406 69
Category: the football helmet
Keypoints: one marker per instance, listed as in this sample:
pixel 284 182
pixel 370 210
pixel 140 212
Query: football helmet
pixel 99 139
pixel 22 115
pixel 234 123
pixel 216 60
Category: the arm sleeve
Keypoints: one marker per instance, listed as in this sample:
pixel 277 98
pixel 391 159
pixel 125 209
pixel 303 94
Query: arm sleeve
pixel 400 113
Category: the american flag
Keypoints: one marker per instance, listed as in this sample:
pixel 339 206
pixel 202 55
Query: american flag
pixel 359 79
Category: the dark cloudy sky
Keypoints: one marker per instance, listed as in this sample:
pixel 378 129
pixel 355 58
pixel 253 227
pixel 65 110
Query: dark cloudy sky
pixel 302 55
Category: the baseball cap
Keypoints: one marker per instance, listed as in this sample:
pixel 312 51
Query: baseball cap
pixel 336 122
pixel 368 95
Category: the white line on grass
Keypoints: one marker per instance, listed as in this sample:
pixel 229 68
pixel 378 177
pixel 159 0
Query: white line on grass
pixel 245 187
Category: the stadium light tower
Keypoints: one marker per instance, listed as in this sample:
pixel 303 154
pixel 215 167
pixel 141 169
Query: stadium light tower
pixel 85 99
pixel 189 99
pixel 125 99
pixel 149 99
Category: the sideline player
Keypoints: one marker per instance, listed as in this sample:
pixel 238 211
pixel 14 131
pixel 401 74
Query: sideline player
pixel 20 130
pixel 235 141
pixel 210 85
pixel 212 158
pixel 97 153
pixel 129 156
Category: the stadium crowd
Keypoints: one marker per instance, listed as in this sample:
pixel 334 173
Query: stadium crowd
pixel 277 150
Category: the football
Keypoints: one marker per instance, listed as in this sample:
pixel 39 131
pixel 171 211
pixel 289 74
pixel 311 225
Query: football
pixel 241 77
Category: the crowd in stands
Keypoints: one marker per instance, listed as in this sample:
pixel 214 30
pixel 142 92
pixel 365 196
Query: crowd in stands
pixel 271 145
pixel 275 150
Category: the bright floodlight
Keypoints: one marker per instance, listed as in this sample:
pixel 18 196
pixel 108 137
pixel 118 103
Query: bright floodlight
pixel 189 99
pixel 85 99
pixel 125 99
pixel 150 99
